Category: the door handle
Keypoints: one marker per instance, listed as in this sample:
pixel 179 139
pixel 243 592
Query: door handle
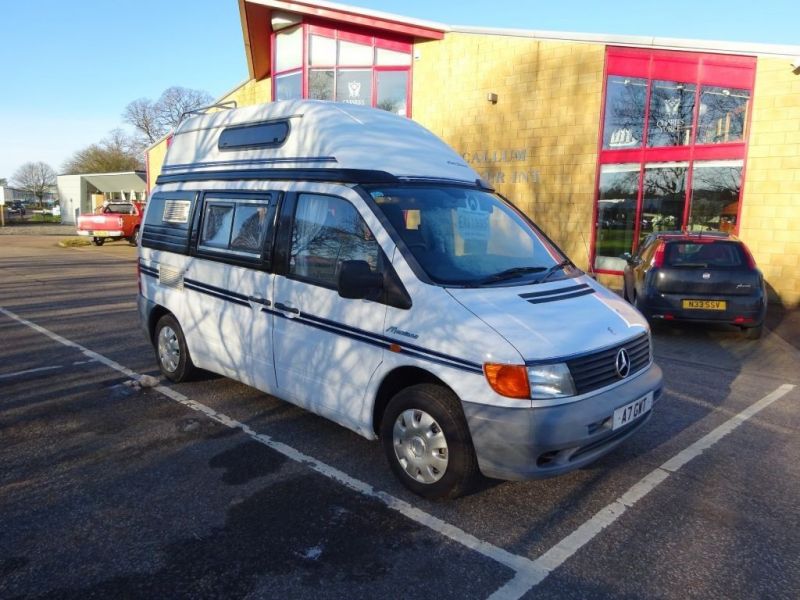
pixel 286 308
pixel 262 301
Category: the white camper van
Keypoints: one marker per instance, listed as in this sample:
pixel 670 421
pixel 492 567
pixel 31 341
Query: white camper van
pixel 346 260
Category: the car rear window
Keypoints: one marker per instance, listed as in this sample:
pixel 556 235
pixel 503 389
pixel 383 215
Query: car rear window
pixel 703 254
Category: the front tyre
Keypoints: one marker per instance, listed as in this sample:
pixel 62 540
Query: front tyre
pixel 427 442
pixel 171 350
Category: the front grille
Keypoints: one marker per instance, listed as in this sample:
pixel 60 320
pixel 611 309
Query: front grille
pixel 594 371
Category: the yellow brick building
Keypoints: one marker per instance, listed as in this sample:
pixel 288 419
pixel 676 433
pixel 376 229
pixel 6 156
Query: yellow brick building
pixel 600 139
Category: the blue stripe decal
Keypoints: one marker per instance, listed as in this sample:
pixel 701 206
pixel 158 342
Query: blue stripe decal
pixel 213 290
pixel 555 292
pixel 253 162
pixel 148 270
pixel 402 343
pixel 209 292
pixel 561 297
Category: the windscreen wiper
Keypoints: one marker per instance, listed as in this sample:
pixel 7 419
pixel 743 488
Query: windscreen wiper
pixel 510 274
pixel 553 269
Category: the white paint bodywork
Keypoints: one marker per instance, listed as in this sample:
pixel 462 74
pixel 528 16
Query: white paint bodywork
pixel 323 135
pixel 332 356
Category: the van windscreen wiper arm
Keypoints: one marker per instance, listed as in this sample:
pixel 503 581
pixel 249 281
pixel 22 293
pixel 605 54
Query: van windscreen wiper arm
pixel 553 269
pixel 510 274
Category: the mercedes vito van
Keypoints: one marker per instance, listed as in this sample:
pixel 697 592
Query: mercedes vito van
pixel 346 260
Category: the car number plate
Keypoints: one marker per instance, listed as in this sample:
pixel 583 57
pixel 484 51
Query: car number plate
pixel 100 233
pixel 704 304
pixel 634 410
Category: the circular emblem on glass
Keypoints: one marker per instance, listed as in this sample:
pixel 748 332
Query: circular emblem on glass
pixel 623 363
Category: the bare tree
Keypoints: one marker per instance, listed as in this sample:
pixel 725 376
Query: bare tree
pixel 154 119
pixel 115 153
pixel 176 101
pixel 142 114
pixel 35 178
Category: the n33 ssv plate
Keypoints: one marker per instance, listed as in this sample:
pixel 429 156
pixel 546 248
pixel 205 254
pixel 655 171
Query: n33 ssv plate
pixel 704 304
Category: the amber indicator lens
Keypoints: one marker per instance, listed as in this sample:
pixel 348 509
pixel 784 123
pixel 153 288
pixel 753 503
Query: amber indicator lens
pixel 510 381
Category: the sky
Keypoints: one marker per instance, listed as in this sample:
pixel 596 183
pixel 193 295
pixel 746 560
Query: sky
pixel 68 69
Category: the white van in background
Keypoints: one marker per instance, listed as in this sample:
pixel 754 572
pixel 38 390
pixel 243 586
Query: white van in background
pixel 346 260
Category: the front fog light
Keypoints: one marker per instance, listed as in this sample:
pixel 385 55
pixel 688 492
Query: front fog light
pixel 550 381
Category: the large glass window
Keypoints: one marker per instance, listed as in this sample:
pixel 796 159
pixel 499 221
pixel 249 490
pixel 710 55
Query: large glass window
pixel 342 66
pixel 616 214
pixel 715 195
pixel 671 114
pixel 354 86
pixel 289 49
pixel 723 115
pixel 624 122
pixel 320 84
pixel 680 119
pixel 393 91
pixel 663 197
pixel 289 87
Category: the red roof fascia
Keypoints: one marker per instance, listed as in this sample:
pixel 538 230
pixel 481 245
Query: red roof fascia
pixel 354 18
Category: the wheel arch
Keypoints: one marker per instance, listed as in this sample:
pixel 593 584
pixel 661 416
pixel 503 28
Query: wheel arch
pixel 156 314
pixel 393 382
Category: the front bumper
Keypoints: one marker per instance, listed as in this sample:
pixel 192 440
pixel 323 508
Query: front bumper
pixel 534 443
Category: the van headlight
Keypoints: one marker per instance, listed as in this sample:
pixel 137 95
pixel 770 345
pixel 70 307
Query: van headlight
pixel 550 381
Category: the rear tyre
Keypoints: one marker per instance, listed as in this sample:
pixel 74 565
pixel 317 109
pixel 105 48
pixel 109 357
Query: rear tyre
pixel 171 350
pixel 134 239
pixel 427 442
pixel 98 241
pixel 753 333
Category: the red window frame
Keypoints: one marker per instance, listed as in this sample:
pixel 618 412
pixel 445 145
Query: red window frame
pixel 357 35
pixel 700 69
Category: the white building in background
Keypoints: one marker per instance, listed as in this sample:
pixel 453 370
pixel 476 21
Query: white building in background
pixel 83 193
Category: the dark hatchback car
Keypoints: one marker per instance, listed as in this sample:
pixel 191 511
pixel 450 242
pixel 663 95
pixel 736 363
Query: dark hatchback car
pixel 701 277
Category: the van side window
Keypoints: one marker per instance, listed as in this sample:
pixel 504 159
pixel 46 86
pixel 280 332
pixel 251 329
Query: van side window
pixel 327 231
pixel 235 226
pixel 166 222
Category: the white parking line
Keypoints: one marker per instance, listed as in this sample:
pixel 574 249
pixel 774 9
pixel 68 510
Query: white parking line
pixel 558 554
pixel 529 573
pixel 512 561
pixel 28 371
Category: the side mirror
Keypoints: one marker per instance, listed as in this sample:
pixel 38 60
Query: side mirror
pixel 356 281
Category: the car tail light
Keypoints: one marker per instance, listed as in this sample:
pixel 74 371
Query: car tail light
pixel 658 257
pixel 740 320
pixel 120 222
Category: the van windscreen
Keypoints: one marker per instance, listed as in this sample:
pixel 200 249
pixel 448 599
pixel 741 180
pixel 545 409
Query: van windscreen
pixel 468 237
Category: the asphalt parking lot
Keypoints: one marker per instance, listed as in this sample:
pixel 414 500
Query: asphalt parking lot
pixel 212 489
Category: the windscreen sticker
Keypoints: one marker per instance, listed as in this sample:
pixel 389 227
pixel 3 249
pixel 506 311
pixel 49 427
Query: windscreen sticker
pixel 473 223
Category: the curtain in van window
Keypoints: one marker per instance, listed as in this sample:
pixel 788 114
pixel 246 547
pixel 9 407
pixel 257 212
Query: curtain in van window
pixel 309 220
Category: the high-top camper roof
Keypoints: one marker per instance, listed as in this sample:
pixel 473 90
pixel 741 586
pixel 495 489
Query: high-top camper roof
pixel 310 139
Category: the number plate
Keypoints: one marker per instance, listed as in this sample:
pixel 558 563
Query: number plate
pixel 100 233
pixel 630 412
pixel 704 304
